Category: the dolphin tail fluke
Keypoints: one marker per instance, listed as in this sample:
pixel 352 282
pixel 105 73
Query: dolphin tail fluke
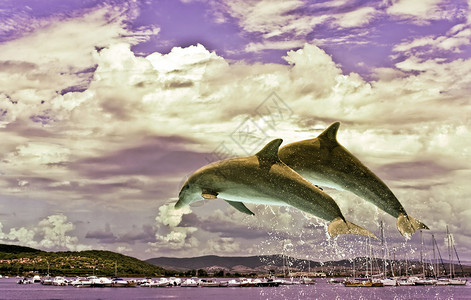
pixel 340 226
pixel 407 225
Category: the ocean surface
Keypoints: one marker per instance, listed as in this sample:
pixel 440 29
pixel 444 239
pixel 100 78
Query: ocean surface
pixel 9 289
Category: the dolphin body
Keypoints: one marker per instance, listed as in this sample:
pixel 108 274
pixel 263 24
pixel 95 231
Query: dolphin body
pixel 264 179
pixel 323 161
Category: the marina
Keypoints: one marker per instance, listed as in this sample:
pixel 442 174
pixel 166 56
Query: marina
pixel 162 282
pixel 322 289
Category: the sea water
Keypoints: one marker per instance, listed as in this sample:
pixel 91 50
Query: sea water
pixel 9 289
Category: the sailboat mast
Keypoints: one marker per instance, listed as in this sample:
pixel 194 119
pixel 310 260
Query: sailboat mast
pixel 309 267
pixel 383 249
pixel 393 262
pixel 449 249
pixel 354 268
pixel 370 256
pixel 435 261
pixel 407 266
pixel 283 258
pixel 422 252
pixel 440 257
pixel 458 259
pixel 452 245
pixel 366 259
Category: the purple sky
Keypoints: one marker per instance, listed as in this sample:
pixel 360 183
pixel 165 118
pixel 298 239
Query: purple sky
pixel 106 107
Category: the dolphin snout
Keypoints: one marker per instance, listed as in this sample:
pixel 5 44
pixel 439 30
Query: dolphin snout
pixel 179 204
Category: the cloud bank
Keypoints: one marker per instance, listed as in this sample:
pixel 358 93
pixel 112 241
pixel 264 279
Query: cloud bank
pixel 108 135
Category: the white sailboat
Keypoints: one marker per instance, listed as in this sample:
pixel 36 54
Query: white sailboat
pixel 406 281
pixel 423 280
pixel 391 281
pixel 436 268
pixel 369 281
pixel 451 246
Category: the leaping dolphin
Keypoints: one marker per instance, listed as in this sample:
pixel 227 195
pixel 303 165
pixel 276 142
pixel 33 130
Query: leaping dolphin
pixel 264 179
pixel 323 161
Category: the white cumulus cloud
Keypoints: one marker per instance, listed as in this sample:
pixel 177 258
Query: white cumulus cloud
pixel 175 237
pixel 51 233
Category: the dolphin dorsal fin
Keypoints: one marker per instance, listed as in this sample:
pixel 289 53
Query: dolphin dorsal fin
pixel 269 153
pixel 331 132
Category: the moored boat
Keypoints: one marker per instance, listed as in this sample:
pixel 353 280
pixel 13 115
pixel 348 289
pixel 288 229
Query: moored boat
pixel 452 280
pixel 175 281
pixel 270 282
pixel 100 282
pixel 190 282
pixel 60 281
pixel 162 282
pixel 119 282
pixel 389 282
pixel 457 281
pixel 25 280
pixel 146 284
pixel 233 283
pixel 223 284
pixel 362 282
pixel 443 281
pixel 425 281
pixel 405 282
pixel 247 282
pixel 131 283
pixel 307 280
pixel 209 283
pixel 143 282
pixel 336 280
pixel 81 282
pixel 46 280
pixel 291 281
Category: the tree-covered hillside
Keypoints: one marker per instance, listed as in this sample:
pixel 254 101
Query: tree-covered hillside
pixel 17 260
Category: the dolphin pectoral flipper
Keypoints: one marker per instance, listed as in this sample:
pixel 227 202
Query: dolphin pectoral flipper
pixel 339 226
pixel 407 225
pixel 240 207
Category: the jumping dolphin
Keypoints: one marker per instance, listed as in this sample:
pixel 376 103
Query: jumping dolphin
pixel 323 161
pixel 264 179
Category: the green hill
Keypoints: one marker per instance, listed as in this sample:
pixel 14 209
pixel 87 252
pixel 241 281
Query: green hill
pixel 17 260
pixel 13 249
